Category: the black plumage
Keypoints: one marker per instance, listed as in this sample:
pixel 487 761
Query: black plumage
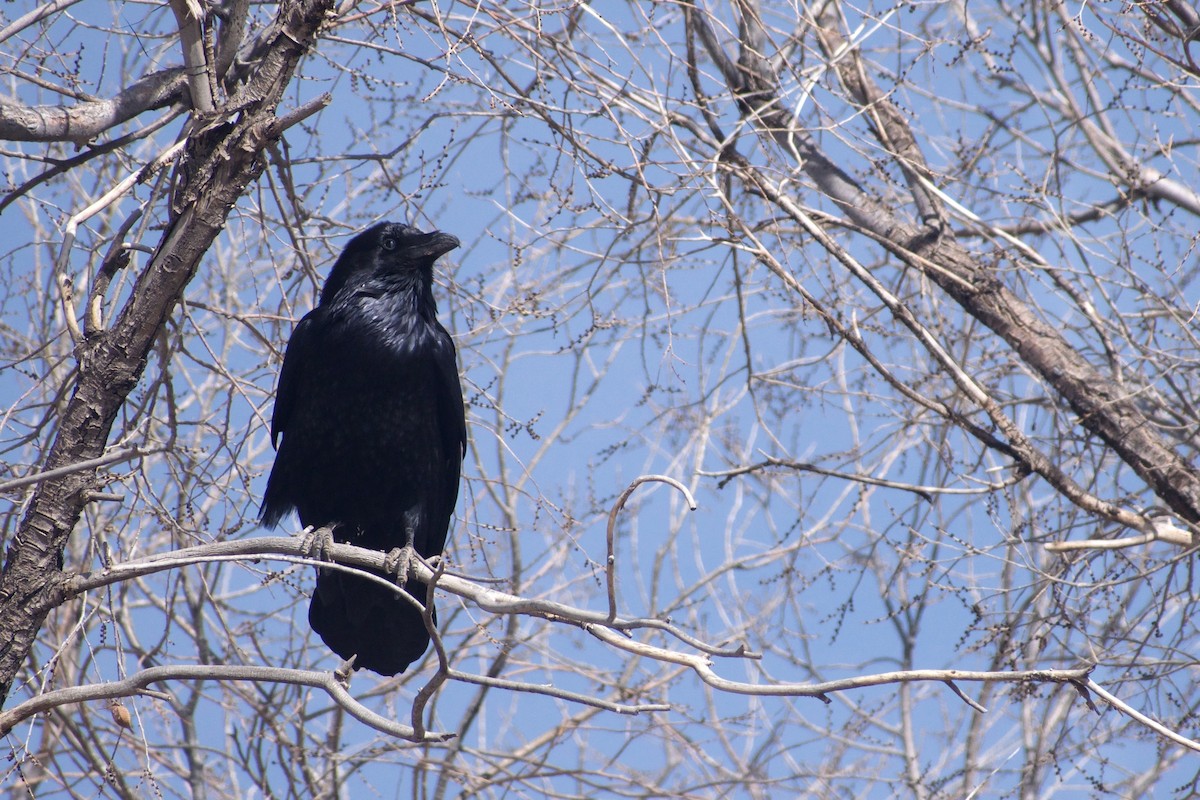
pixel 370 410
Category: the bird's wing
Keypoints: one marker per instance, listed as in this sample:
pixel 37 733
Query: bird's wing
pixel 450 397
pixel 291 379
pixel 453 429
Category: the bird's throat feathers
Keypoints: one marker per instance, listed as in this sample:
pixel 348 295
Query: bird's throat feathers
pixel 396 310
pixel 405 293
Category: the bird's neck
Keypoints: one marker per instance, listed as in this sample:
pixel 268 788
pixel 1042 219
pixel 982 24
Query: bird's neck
pixel 417 297
pixel 407 292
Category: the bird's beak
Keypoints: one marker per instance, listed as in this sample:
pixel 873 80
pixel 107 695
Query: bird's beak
pixel 437 243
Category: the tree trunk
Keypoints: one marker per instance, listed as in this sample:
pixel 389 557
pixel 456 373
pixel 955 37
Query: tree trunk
pixel 222 157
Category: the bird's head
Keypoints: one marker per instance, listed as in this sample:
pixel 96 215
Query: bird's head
pixel 388 248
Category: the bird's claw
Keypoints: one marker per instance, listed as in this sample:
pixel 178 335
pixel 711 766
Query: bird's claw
pixel 316 542
pixel 398 561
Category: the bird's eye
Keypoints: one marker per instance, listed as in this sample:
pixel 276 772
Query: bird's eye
pixel 388 243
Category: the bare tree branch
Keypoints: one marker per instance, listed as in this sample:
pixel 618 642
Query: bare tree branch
pixel 137 683
pixel 82 122
pixel 226 161
pixel 610 532
pixel 1104 407
pixel 903 294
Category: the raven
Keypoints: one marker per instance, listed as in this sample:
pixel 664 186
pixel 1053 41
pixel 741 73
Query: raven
pixel 370 409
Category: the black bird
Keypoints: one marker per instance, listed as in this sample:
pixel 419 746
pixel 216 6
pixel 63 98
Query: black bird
pixel 370 409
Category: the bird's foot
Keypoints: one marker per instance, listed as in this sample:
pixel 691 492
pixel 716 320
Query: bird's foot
pixel 398 561
pixel 316 542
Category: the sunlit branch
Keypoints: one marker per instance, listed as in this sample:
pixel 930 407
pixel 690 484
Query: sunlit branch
pixel 494 601
pixel 62 166
pixel 700 665
pixel 86 120
pixel 610 533
pixel 295 550
pixel 189 15
pixel 136 684
pixel 1133 713
pixel 1163 531
pixel 71 227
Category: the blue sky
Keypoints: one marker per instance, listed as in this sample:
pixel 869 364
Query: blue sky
pixel 598 334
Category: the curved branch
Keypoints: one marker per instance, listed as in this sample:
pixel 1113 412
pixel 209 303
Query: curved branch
pixel 137 683
pixel 595 623
pixel 1161 530
pixel 610 534
pixel 611 632
pixel 293 550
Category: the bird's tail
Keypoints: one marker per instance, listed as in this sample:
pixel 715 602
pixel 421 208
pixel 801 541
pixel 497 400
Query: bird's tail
pixel 357 616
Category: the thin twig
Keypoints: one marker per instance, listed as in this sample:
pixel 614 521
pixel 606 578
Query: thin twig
pixel 926 492
pixel 549 690
pixel 425 693
pixel 114 457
